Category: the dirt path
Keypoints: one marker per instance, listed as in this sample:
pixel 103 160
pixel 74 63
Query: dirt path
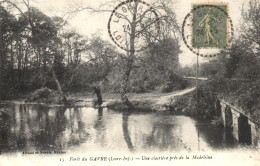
pixel 158 99
pixel 170 98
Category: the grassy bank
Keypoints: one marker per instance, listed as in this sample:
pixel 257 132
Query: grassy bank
pixel 151 101
pixel 187 105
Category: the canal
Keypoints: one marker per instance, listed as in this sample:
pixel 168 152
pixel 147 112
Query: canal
pixel 37 127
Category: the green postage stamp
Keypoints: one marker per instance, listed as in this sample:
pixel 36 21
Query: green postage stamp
pixel 209 25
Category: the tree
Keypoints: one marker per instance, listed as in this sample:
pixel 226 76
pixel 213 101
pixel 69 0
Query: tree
pixel 145 31
pixel 155 66
pixel 138 24
pixel 74 44
pixel 41 33
pixel 8 28
pixel 98 60
pixel 251 25
pixel 243 56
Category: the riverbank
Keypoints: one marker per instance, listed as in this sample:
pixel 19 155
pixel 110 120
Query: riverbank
pixel 149 101
pixel 176 101
pixel 181 101
pixel 153 101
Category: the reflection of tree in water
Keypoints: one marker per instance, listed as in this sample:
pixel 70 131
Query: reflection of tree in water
pixel 126 132
pixel 14 131
pixel 100 128
pixel 5 133
pixel 48 127
pixel 21 138
pixel 166 136
pixel 41 127
pixel 162 138
pixel 76 127
pixel 61 132
pixel 81 131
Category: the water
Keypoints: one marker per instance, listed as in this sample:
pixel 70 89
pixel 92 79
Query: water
pixel 38 127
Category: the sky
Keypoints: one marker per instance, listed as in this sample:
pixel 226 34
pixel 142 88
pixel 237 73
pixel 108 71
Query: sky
pixel 87 24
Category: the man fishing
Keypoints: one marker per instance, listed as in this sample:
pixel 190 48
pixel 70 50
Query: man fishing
pixel 99 95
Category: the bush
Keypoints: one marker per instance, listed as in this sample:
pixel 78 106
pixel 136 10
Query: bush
pixel 165 88
pixel 175 82
pixel 207 95
pixel 138 89
pixel 45 95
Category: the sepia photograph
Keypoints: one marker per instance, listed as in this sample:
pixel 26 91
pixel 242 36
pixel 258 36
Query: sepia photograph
pixel 130 82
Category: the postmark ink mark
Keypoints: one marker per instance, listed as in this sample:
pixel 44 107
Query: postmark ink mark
pixel 133 21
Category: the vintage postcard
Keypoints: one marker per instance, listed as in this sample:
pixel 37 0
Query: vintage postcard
pixel 129 82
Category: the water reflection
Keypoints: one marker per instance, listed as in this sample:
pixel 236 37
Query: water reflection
pixel 126 132
pixel 37 127
pixel 216 137
pixel 163 132
pixel 162 137
pixel 4 131
pixel 43 128
pixel 100 128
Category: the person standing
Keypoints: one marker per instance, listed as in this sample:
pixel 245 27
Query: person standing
pixel 99 95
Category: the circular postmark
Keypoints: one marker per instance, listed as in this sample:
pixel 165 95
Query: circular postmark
pixel 207 29
pixel 133 25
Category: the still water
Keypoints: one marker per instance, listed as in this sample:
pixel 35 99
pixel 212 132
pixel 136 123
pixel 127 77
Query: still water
pixel 38 127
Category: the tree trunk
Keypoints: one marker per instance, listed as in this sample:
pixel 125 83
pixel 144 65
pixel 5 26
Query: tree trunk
pixel 38 58
pixel 19 57
pixel 124 83
pixel 128 68
pixel 63 99
pixel 25 61
pixel 1 68
pixel 44 61
pixel 12 58
pixel 130 60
